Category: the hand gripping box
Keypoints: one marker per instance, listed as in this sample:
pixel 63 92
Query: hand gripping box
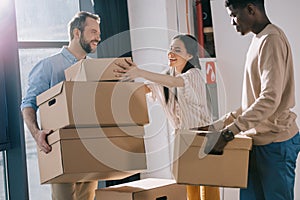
pixel 192 166
pixel 146 189
pixel 100 69
pixel 93 104
pixel 87 154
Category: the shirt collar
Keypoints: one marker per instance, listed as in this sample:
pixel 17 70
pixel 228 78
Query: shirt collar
pixel 67 54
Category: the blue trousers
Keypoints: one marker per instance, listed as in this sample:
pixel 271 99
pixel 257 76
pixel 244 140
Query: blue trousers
pixel 271 173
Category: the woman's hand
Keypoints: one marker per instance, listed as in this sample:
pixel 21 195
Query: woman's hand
pixel 128 71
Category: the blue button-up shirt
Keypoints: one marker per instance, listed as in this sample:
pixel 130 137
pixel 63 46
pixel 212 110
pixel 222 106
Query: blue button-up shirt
pixel 45 74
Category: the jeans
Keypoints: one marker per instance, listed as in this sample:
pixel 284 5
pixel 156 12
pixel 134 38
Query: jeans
pixel 271 173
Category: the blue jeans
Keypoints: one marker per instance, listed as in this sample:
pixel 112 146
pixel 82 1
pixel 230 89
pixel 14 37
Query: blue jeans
pixel 271 173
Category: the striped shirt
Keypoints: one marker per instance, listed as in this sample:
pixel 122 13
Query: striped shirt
pixel 190 108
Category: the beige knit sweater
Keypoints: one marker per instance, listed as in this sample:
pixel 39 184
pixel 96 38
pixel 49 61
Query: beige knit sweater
pixel 268 90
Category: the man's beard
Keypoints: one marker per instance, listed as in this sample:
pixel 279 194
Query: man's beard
pixel 86 45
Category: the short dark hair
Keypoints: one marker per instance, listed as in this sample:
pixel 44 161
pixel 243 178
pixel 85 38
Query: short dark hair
pixel 244 3
pixel 78 21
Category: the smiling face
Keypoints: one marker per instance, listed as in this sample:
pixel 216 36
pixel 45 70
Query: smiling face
pixel 241 18
pixel 178 55
pixel 90 36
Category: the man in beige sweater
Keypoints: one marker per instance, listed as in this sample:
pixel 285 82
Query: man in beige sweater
pixel 265 113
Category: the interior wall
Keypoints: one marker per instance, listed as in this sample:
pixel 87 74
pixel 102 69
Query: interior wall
pixel 149 42
pixel 152 25
pixel 231 50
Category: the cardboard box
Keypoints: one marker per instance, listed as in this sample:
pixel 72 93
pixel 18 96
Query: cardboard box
pixel 146 189
pixel 91 104
pixel 100 69
pixel 93 153
pixel 192 166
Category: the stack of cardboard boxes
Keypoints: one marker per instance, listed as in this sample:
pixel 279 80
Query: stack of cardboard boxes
pixel 97 125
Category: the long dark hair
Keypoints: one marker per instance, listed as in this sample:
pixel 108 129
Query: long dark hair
pixel 192 47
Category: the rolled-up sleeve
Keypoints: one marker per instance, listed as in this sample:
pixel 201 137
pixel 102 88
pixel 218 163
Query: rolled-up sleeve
pixel 38 81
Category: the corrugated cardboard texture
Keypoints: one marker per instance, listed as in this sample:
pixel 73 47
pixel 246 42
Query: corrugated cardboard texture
pixel 146 189
pixel 227 170
pixel 93 153
pixel 91 104
pixel 100 69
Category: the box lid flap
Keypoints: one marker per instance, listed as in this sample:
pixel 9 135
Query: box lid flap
pixel 94 69
pixel 192 138
pixel 107 66
pixel 140 185
pixel 99 132
pixel 72 71
pixel 48 94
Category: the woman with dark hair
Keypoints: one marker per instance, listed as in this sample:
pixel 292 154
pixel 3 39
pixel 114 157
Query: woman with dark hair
pixel 181 93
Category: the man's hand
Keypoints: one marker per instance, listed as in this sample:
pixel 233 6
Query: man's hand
pixel 40 136
pixel 215 140
pixel 41 140
pixel 215 143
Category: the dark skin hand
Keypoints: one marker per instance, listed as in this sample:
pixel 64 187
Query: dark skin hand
pixel 215 142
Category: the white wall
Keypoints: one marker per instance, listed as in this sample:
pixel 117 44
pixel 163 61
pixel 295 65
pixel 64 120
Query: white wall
pixel 153 24
pixel 149 41
pixel 231 50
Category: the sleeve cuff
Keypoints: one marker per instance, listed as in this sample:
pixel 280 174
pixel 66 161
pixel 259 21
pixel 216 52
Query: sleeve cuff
pixel 26 105
pixel 223 121
pixel 233 128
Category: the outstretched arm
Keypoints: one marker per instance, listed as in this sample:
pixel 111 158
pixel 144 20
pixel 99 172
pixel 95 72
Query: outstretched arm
pixel 131 71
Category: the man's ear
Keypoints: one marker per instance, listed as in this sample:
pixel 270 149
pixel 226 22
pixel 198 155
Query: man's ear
pixel 76 33
pixel 251 8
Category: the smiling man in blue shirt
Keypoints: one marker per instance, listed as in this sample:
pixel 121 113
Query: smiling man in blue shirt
pixel 84 33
